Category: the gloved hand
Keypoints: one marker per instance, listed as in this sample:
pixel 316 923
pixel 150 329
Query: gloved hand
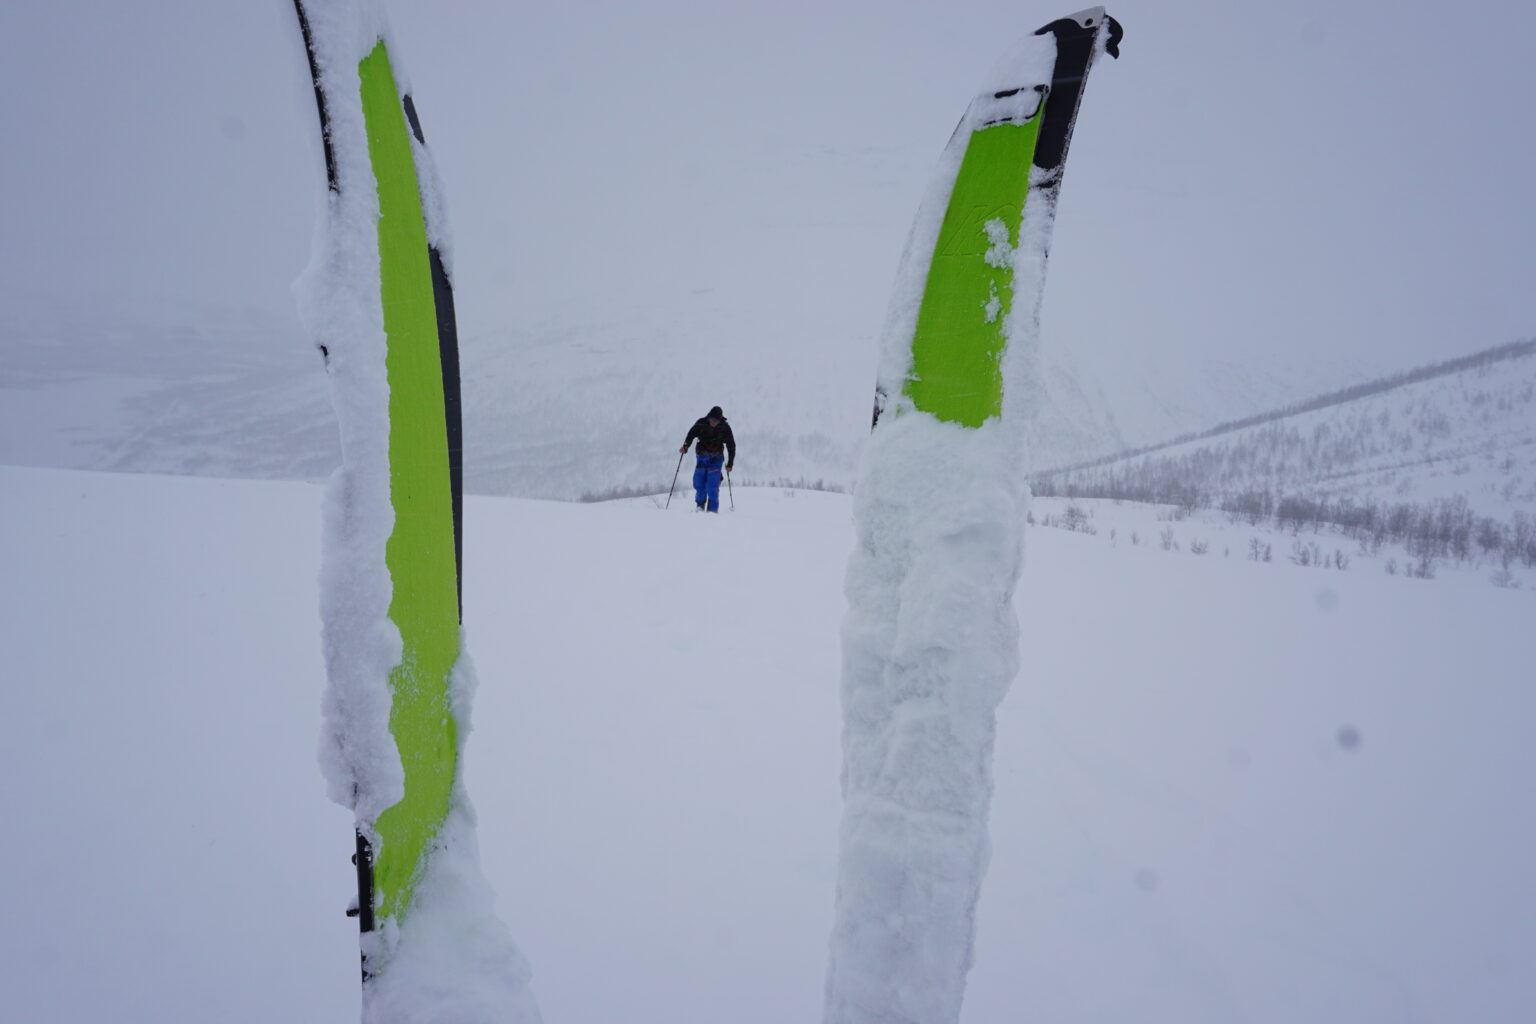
pixel 727 469
pixel 682 450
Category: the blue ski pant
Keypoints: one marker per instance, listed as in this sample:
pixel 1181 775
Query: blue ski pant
pixel 706 480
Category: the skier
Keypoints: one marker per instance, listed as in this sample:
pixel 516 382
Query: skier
pixel 713 433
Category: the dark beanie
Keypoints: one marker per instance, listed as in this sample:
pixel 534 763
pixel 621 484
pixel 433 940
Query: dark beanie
pixel 715 414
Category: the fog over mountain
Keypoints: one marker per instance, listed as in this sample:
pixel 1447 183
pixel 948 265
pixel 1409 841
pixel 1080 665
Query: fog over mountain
pixel 663 209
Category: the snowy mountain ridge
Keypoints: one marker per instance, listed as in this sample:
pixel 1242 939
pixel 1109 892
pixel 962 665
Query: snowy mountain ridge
pixel 1460 430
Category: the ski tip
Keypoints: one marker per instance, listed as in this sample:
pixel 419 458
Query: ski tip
pixel 1085 20
pixel 1088 21
pixel 1112 40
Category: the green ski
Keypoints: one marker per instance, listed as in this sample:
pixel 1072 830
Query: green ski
pixel 1012 144
pixel 421 460
pixel 931 641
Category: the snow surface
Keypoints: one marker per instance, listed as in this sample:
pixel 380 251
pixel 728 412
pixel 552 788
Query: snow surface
pixel 1225 790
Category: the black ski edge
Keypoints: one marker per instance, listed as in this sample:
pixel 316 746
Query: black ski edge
pixel 362 858
pixel 453 418
pixel 314 74
pixel 413 120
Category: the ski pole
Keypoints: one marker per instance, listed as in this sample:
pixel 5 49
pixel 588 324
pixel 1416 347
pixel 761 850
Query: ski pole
pixel 730 490
pixel 676 471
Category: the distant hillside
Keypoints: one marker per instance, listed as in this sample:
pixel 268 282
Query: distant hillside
pixel 1512 350
pixel 1446 452
pixel 573 405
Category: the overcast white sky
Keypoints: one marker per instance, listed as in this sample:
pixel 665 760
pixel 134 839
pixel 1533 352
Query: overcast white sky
pixel 1249 181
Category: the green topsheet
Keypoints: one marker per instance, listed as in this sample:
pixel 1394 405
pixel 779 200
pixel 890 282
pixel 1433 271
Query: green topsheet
pixel 420 553
pixel 958 346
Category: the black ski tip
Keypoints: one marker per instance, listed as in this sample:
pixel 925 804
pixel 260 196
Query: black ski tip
pixel 1087 23
pixel 1084 22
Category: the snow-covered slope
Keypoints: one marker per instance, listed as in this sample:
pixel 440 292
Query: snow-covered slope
pixel 1099 402
pixel 1226 789
pixel 1466 431
pixel 214 391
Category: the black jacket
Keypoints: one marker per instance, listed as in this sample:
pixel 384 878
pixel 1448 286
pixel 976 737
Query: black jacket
pixel 712 439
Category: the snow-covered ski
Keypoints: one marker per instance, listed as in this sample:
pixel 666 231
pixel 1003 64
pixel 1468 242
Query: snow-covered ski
pixel 379 302
pixel 930 640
